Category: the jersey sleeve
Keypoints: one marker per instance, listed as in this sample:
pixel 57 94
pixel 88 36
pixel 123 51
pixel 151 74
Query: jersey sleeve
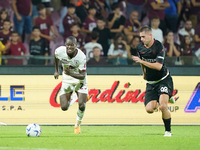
pixel 161 55
pixel 137 49
pixel 82 65
pixel 57 53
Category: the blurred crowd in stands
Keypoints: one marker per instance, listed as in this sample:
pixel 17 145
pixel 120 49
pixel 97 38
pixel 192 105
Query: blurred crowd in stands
pixel 107 31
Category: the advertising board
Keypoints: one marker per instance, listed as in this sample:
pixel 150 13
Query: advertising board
pixel 114 100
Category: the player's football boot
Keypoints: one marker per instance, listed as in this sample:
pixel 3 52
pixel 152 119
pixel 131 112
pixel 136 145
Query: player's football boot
pixel 88 98
pixel 172 100
pixel 168 134
pixel 77 130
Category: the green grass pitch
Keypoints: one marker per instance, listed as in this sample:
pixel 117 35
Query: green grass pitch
pixel 101 138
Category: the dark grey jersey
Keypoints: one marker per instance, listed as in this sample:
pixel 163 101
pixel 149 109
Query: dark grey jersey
pixel 153 54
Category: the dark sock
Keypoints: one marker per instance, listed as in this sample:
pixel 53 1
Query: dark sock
pixel 167 123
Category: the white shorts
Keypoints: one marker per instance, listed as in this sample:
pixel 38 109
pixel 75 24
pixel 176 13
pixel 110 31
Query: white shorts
pixel 70 87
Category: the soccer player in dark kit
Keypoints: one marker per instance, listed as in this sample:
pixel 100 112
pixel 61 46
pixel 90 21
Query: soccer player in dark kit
pixel 159 87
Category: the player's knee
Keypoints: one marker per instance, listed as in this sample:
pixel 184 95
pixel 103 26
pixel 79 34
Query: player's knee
pixel 82 107
pixel 163 107
pixel 64 108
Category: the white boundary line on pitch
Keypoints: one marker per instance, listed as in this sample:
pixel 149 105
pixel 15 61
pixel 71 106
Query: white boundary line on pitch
pixel 23 148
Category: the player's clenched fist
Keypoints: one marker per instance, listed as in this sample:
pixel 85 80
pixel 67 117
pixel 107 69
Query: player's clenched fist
pixel 56 75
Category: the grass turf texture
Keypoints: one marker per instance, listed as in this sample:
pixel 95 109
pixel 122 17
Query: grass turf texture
pixel 101 137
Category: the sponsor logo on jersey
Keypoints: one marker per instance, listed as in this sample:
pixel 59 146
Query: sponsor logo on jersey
pixel 149 60
pixel 65 61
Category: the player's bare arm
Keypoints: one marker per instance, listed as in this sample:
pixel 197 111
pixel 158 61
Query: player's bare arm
pixel 144 71
pixel 156 65
pixel 79 76
pixel 56 74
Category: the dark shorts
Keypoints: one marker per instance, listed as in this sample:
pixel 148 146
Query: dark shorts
pixel 153 91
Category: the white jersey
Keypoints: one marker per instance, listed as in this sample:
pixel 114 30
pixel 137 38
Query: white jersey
pixel 76 63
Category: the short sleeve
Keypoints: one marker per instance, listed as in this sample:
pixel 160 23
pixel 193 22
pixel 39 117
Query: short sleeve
pixel 137 50
pixel 82 65
pixel 161 55
pixel 56 53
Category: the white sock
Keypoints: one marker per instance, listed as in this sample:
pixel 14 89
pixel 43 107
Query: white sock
pixel 73 98
pixel 79 119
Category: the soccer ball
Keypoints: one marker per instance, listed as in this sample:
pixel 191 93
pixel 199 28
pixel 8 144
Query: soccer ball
pixel 33 130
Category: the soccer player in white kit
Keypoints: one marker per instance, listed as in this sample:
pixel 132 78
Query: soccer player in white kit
pixel 74 77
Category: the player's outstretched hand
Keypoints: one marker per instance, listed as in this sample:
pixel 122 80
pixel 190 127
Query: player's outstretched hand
pixel 136 59
pixel 56 75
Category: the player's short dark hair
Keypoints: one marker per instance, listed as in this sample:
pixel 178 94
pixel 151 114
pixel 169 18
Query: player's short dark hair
pixel 155 17
pixel 35 27
pixel 74 24
pixel 101 18
pixel 114 6
pixel 71 5
pixel 72 38
pixel 6 20
pixel 145 29
pixel 91 7
pixel 14 32
pixel 40 7
pixel 94 35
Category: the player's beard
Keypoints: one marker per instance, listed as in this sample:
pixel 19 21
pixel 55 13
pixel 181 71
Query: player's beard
pixel 72 54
